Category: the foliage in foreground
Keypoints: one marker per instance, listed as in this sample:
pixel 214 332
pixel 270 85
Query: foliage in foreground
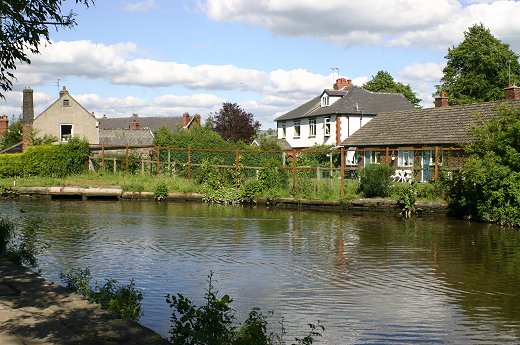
pixel 17 243
pixel 488 186
pixel 214 323
pixel 124 301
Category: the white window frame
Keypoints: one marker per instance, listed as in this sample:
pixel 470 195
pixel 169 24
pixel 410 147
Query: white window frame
pixel 284 130
pixel 325 101
pixel 66 137
pixel 312 128
pixel 326 126
pixel 297 129
pixel 405 158
pixel 373 157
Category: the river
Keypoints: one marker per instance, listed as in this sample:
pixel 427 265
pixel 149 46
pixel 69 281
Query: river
pixel 368 278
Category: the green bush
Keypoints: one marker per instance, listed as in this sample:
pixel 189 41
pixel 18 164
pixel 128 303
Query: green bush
pixel 47 160
pixel 11 165
pixel 18 243
pixel 406 196
pixel 375 181
pixel 213 323
pixel 124 301
pixel 161 191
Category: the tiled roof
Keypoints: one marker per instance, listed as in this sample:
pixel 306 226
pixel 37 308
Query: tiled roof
pixel 153 123
pixel 132 137
pixel 355 101
pixel 432 126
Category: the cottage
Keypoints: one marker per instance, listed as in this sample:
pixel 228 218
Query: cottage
pixel 335 114
pixel 415 139
pixel 64 119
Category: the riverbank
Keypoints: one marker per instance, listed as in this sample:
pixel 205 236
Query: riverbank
pixel 364 204
pixel 36 311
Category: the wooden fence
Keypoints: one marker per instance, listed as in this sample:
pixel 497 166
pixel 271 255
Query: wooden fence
pixel 333 163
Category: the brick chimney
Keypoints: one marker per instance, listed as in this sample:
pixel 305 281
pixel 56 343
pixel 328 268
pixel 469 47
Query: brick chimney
pixel 63 91
pixel 4 124
pixel 185 119
pixel 28 117
pixel 134 124
pixel 512 92
pixel 441 101
pixel 342 83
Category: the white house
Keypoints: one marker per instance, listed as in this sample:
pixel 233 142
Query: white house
pixel 335 114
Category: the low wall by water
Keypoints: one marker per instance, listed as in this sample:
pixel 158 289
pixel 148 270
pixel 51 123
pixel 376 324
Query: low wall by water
pixel 370 205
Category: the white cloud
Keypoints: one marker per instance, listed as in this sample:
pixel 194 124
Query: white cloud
pixel 140 6
pixel 409 23
pixel 422 78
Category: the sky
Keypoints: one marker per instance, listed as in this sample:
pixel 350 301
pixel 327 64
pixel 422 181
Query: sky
pixel 168 57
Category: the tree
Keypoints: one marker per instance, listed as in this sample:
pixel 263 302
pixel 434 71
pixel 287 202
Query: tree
pixel 235 124
pixel 384 82
pixel 479 68
pixel 13 134
pixel 23 25
pixel 488 185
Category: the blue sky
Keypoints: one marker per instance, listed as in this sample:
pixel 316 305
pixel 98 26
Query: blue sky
pixel 167 57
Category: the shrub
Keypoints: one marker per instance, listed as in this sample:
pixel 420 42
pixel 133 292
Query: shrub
pixel 375 181
pixel 11 165
pixel 161 191
pixel 406 197
pixel 18 243
pixel 214 323
pixel 124 301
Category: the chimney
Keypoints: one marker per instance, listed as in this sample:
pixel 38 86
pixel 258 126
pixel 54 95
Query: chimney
pixel 28 106
pixel 28 117
pixel 441 101
pixel 512 92
pixel 342 83
pixel 185 119
pixel 4 124
pixel 134 124
pixel 63 91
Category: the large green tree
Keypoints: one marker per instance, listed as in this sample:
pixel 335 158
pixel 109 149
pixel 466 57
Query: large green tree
pixel 479 68
pixel 23 26
pixel 234 124
pixel 384 82
pixel 488 186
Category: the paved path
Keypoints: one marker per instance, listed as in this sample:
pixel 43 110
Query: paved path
pixel 35 311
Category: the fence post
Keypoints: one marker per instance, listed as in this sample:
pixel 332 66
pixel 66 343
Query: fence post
pixel 236 168
pixel 115 165
pixel 189 163
pixel 169 163
pixel 126 160
pixel 342 190
pixel 318 176
pixel 387 155
pixel 436 162
pixel 293 170
pixel 158 160
pixel 103 157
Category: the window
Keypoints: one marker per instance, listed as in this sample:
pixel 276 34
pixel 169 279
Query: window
pixel 325 101
pixel 296 129
pixel 283 130
pixel 312 127
pixel 65 132
pixel 405 158
pixel 66 103
pixel 372 157
pixel 326 124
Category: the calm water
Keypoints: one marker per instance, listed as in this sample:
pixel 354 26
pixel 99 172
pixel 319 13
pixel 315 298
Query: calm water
pixel 368 278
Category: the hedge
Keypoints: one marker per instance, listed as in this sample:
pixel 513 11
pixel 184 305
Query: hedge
pixel 47 160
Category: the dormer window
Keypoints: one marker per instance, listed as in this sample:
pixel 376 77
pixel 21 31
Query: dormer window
pixel 66 103
pixel 325 100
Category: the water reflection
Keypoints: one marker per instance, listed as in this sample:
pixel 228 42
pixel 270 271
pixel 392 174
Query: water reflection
pixel 370 278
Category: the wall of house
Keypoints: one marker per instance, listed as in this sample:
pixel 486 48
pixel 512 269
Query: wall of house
pixel 84 124
pixel 305 139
